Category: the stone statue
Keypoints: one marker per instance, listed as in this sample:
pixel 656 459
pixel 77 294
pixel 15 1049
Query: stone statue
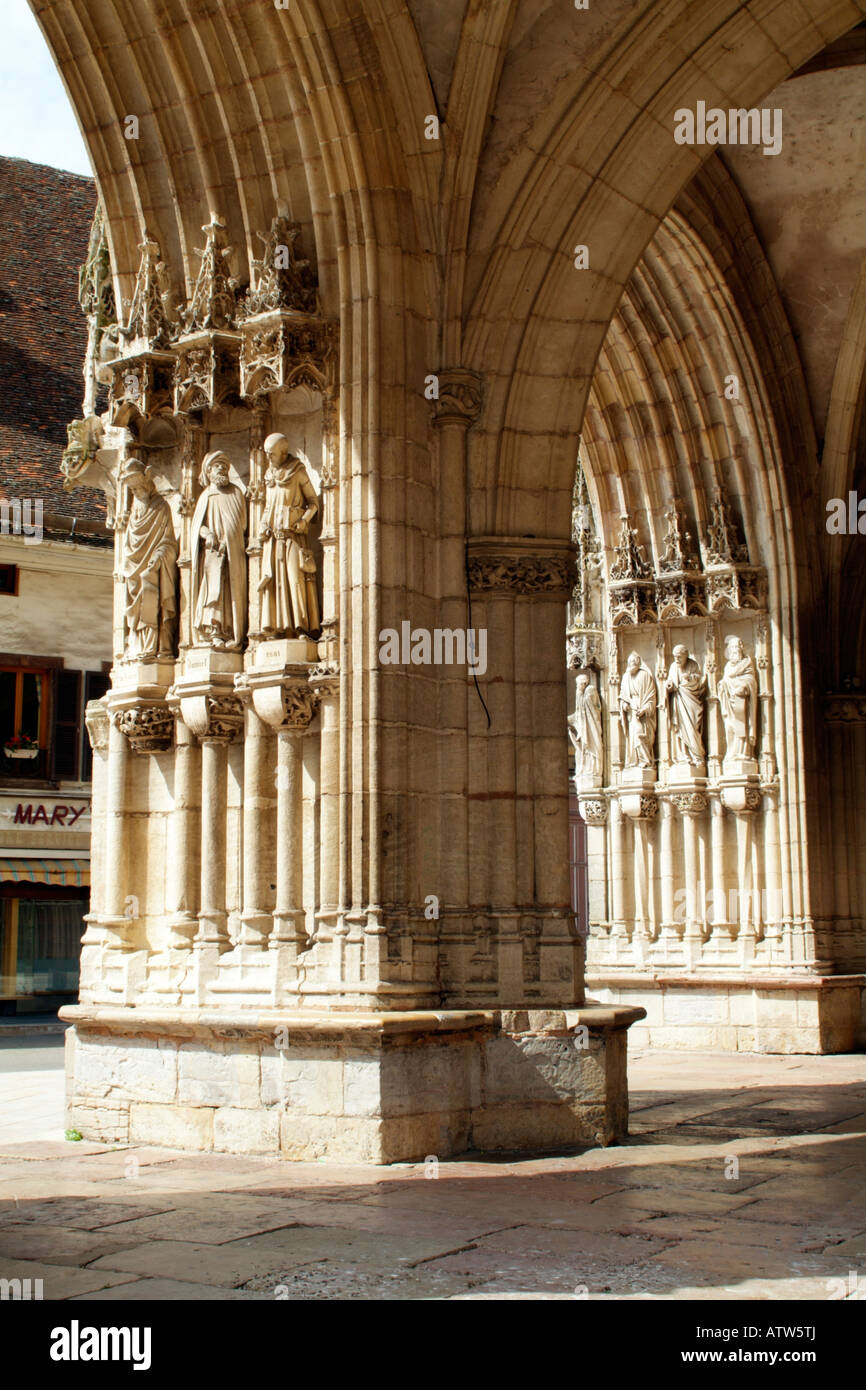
pixel 218 566
pixel 686 687
pixel 584 730
pixel 149 569
pixel 738 697
pixel 637 705
pixel 290 604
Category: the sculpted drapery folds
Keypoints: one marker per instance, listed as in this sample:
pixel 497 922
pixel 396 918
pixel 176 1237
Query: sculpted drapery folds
pixel 685 688
pixel 287 586
pixel 149 569
pixel 637 703
pixel 584 729
pixel 218 562
pixel 738 696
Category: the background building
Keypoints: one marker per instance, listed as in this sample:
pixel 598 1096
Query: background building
pixel 55 590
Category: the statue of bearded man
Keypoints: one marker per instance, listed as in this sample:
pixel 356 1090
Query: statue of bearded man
pixel 290 604
pixel 738 697
pixel 638 712
pixel 218 564
pixel 149 569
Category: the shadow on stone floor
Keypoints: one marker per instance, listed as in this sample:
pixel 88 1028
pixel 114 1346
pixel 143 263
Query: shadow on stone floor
pixel 757 1195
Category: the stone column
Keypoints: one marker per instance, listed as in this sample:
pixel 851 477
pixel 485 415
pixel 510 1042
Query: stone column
pixel 184 829
pixel 717 860
pixel 518 775
pixel 455 411
pixel 329 805
pixel 116 918
pixel 259 796
pixel 212 913
pixel 97 721
pixel 691 805
pixel 669 923
pixel 215 716
pixel 287 703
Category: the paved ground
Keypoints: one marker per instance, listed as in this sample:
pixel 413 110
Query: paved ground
pixel 743 1179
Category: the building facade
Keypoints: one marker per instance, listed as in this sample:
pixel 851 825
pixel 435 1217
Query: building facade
pixel 55 594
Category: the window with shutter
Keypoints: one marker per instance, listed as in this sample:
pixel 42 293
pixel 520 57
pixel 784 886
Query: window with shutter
pixel 67 725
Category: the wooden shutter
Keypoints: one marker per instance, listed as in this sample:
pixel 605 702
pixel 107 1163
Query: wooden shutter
pixel 65 743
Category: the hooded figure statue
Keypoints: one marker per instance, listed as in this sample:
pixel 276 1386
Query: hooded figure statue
pixel 218 563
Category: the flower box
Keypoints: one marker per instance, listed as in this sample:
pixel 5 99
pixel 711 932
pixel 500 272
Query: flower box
pixel 16 751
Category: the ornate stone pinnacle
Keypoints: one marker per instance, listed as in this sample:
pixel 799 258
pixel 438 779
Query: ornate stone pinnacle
pixel 678 554
pixel 282 279
pixel 148 313
pixel 213 305
pixel 722 545
pixel 630 560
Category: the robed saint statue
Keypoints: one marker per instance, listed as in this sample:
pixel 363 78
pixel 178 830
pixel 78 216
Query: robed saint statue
pixel 218 563
pixel 290 603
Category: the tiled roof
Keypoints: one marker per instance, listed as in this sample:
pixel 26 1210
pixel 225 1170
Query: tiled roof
pixel 45 218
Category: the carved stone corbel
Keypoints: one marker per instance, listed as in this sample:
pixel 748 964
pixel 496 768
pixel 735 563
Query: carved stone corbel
pixel 460 397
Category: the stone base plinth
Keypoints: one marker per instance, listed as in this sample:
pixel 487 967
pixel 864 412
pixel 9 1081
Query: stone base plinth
pixel 350 1088
pixel 750 1012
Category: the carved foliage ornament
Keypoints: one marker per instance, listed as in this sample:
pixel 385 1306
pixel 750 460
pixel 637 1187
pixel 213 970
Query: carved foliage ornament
pixel 522 574
pixel 225 717
pixel 594 812
pixel 149 728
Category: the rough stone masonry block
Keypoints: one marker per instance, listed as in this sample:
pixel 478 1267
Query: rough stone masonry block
pixel 171 1126
pixel 519 1069
pixel 246 1131
pixel 431 1078
pixel 125 1069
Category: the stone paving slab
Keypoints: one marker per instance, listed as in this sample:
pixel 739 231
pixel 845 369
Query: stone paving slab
pixel 656 1218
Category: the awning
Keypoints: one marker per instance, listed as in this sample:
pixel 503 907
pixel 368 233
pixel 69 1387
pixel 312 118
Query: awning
pixel 61 873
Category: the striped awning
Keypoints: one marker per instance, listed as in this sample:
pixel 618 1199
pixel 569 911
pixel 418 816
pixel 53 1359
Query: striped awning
pixel 61 873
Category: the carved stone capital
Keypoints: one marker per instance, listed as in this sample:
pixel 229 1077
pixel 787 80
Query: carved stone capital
pixel 460 396
pixel 288 705
pixel 521 565
pixel 149 728
pixel 639 805
pixel 741 797
pixel 213 716
pixel 690 803
pixel 593 810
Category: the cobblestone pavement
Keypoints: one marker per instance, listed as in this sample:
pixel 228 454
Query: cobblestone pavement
pixel 743 1179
